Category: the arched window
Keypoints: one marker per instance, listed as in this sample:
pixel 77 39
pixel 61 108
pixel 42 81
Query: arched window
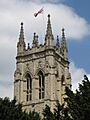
pixel 29 87
pixel 41 85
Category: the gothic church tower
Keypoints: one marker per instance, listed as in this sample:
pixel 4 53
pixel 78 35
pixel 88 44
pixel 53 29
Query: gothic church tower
pixel 42 71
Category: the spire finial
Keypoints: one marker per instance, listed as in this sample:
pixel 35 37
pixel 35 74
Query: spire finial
pixel 48 15
pixel 22 24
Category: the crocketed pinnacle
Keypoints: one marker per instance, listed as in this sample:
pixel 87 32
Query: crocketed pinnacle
pixel 64 50
pixel 21 44
pixel 49 35
pixel 49 29
pixel 57 42
pixel 35 40
pixel 63 41
pixel 21 37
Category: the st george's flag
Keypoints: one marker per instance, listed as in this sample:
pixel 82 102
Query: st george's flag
pixel 40 11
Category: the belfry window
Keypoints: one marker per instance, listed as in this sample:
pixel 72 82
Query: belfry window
pixel 29 88
pixel 41 85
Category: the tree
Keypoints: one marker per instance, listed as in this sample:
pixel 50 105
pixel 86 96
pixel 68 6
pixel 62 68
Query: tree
pixel 79 103
pixel 10 110
pixel 48 115
pixel 34 116
pixel 58 111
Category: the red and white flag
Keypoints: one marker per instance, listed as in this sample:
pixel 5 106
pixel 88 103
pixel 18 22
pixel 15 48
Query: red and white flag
pixel 40 11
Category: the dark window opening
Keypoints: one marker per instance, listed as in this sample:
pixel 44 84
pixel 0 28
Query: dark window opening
pixel 62 80
pixel 41 85
pixel 29 88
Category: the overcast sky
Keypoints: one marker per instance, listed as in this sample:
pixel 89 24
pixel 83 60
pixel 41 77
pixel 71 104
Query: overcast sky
pixel 73 15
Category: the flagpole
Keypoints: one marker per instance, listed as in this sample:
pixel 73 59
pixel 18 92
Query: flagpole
pixel 43 25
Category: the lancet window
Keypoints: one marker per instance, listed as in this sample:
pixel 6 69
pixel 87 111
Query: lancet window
pixel 29 87
pixel 41 85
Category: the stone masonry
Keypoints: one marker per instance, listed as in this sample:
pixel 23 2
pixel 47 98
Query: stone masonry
pixel 42 71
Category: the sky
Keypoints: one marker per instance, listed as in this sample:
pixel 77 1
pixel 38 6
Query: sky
pixel 73 15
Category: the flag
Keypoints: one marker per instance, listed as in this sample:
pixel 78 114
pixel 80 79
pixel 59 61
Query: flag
pixel 40 11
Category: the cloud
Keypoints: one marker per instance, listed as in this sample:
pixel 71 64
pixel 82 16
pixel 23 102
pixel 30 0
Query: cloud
pixel 7 66
pixel 12 12
pixel 44 1
pixel 77 75
pixel 6 90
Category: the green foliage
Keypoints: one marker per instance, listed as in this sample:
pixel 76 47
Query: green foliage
pixel 79 102
pixel 34 116
pixel 10 110
pixel 58 111
pixel 48 115
pixel 61 112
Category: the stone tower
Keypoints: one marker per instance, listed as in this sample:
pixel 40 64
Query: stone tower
pixel 42 71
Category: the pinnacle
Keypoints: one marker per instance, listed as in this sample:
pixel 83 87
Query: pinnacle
pixel 35 40
pixel 21 44
pixel 49 35
pixel 21 33
pixel 63 34
pixel 63 42
pixel 49 29
pixel 58 43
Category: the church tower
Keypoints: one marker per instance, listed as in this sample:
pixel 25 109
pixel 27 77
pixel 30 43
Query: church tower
pixel 42 71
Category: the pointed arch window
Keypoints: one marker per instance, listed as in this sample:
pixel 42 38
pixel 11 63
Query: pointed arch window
pixel 29 87
pixel 41 85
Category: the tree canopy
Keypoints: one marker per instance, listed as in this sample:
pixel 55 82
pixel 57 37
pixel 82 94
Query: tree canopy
pixel 76 107
pixel 10 110
pixel 79 103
